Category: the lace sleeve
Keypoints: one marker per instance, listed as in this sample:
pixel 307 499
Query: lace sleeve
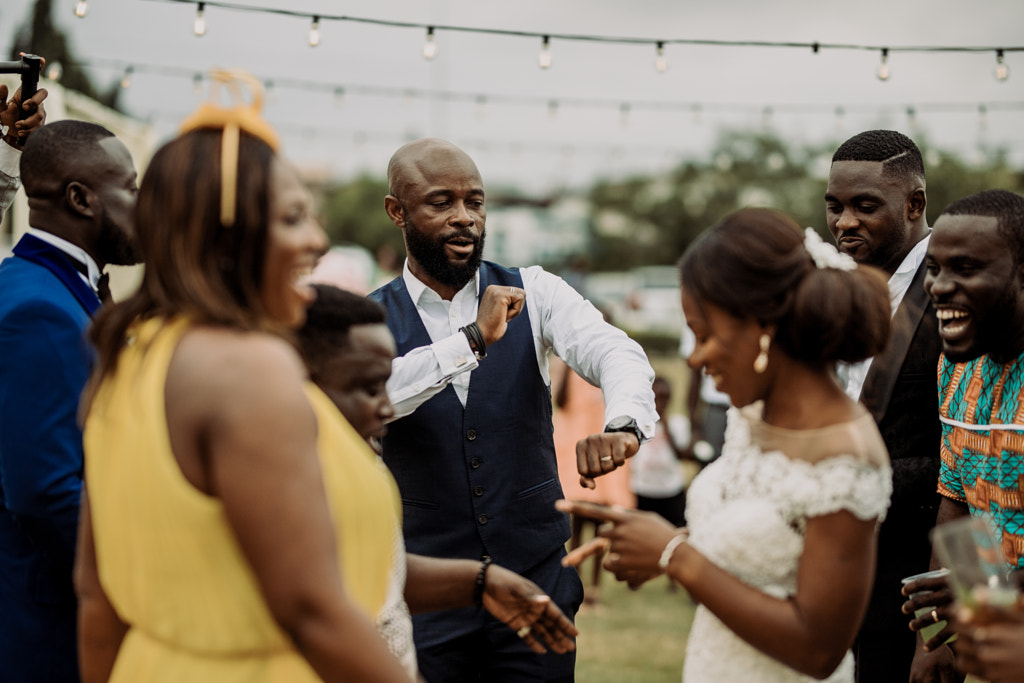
pixel 844 483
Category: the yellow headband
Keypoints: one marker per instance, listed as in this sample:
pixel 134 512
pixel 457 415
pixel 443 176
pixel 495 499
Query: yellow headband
pixel 232 120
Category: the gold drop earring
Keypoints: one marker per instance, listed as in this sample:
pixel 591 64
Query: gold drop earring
pixel 761 362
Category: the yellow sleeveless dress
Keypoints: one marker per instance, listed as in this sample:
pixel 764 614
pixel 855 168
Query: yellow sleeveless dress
pixel 167 557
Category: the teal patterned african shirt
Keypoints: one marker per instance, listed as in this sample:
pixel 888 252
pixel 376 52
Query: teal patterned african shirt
pixel 981 406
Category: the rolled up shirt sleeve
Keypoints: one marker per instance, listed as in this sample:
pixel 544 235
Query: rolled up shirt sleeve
pixel 9 178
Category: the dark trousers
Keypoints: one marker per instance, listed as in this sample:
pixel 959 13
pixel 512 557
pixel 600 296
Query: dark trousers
pixel 495 654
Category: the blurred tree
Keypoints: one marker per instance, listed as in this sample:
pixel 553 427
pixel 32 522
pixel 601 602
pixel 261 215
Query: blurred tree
pixel 39 35
pixel 354 214
pixel 644 221
pixel 651 220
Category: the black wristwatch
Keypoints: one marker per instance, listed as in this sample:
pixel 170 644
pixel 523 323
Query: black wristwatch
pixel 624 423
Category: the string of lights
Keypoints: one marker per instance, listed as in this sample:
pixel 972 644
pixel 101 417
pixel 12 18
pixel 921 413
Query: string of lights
pixel 340 91
pixel 545 59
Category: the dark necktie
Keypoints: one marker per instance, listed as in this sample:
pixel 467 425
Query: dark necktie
pixel 102 285
pixel 103 288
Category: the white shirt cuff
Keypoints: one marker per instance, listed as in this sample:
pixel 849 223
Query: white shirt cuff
pixel 454 355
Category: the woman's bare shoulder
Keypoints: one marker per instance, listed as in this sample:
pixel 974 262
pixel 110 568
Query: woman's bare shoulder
pixel 212 364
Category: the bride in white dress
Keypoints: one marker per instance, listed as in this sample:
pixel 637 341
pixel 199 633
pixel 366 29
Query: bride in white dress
pixel 780 549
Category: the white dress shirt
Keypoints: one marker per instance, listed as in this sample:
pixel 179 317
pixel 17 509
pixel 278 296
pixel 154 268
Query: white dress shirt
pixel 561 320
pixel 854 374
pixel 93 277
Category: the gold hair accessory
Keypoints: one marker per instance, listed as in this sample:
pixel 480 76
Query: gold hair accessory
pixel 232 120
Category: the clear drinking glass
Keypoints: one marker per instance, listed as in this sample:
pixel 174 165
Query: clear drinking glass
pixel 978 571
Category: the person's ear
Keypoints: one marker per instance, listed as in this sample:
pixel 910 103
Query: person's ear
pixel 395 210
pixel 917 202
pixel 79 198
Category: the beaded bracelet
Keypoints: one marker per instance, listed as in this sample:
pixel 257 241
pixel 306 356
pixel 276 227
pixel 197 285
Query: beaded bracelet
pixel 481 580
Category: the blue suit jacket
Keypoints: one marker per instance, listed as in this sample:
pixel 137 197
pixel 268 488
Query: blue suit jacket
pixel 44 363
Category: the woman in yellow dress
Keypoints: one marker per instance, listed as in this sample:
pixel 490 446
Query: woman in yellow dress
pixel 217 542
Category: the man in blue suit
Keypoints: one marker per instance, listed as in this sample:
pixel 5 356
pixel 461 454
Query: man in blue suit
pixel 81 187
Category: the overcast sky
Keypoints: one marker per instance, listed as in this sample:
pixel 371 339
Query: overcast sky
pixel 521 142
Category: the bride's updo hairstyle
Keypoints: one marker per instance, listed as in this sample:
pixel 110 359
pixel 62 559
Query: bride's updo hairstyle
pixel 758 264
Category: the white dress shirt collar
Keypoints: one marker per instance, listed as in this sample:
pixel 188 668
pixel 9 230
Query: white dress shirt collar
pixel 72 250
pixel 417 288
pixel 900 281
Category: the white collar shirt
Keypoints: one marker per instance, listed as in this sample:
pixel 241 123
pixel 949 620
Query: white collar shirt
pixel 561 321
pixel 92 277
pixel 854 374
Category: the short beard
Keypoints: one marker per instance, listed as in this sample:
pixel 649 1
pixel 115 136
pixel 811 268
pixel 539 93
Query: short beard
pixel 429 253
pixel 117 247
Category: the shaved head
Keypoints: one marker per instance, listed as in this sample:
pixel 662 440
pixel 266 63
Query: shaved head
pixel 421 160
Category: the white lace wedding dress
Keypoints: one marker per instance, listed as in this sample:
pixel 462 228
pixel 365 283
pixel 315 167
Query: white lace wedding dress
pixel 747 513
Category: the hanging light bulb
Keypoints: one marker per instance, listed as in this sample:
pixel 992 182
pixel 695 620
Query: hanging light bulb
pixel 314 31
pixel 430 47
pixel 54 71
pixel 197 84
pixel 1002 71
pixel 81 8
pixel 660 63
pixel 339 96
pixel 982 117
pixel 883 68
pixel 199 27
pixel 624 114
pixel 545 53
pixel 126 80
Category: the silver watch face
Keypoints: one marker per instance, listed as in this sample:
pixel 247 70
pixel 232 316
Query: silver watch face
pixel 622 424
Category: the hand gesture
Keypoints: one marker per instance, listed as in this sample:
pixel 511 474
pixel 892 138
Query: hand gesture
pixel 601 453
pixel 522 605
pixel 931 592
pixel 10 110
pixel 994 652
pixel 498 306
pixel 634 539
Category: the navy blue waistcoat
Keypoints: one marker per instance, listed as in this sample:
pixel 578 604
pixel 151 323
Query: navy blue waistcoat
pixel 481 480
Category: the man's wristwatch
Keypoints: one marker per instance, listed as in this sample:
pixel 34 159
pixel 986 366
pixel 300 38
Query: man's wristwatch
pixel 624 423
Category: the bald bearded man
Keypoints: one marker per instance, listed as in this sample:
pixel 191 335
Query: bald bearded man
pixel 471 446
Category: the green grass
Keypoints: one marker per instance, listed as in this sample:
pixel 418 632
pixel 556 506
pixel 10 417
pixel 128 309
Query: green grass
pixel 633 636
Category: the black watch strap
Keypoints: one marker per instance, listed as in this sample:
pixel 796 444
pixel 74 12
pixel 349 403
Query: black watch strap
pixel 625 423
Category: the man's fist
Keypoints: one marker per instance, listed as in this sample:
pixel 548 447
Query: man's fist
pixel 498 306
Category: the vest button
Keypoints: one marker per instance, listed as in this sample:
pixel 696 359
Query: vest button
pixel 471 435
pixel 482 519
pixel 478 491
pixel 474 463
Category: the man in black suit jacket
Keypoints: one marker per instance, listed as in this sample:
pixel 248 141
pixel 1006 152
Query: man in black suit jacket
pixel 875 207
